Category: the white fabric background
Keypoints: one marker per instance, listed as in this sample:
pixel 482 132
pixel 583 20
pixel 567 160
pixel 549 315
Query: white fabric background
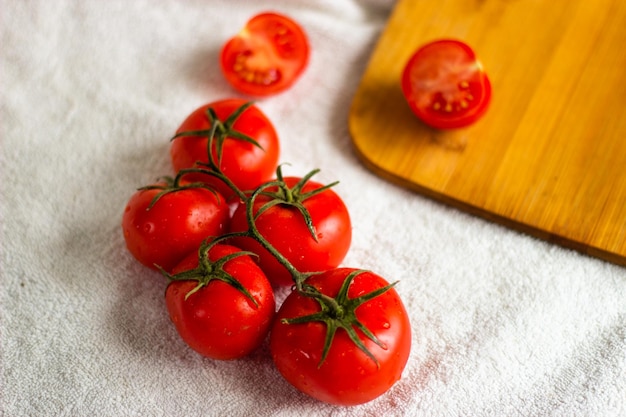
pixel 504 325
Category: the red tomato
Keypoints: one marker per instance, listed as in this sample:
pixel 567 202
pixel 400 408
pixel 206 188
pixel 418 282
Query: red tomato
pixel 445 84
pixel 218 320
pixel 347 376
pixel 266 56
pixel 284 227
pixel 245 164
pixel 174 226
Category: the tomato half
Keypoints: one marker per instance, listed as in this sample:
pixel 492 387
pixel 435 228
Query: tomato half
pixel 347 376
pixel 174 226
pixel 266 56
pixel 218 320
pixel 445 84
pixel 284 227
pixel 245 164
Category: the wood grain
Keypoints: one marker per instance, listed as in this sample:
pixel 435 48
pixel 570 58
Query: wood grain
pixel 549 157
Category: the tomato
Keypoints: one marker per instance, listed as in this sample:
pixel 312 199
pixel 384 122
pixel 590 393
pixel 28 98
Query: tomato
pixel 284 227
pixel 445 84
pixel 266 56
pixel 175 225
pixel 246 164
pixel 213 316
pixel 347 375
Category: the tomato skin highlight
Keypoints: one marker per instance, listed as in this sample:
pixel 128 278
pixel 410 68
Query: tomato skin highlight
pixel 175 226
pixel 445 84
pixel 218 321
pixel 246 165
pixel 285 229
pixel 347 376
pixel 266 56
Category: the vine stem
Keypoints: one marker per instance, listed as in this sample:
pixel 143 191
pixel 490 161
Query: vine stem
pixel 221 130
pixel 337 312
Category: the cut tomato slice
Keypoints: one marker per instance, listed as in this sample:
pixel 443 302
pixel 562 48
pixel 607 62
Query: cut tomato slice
pixel 445 84
pixel 266 56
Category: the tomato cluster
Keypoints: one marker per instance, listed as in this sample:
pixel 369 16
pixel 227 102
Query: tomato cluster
pixel 229 229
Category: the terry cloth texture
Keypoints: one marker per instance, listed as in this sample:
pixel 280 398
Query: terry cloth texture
pixel 92 91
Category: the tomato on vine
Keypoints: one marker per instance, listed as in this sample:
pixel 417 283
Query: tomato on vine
pixel 164 222
pixel 445 84
pixel 306 222
pixel 345 339
pixel 220 302
pixel 244 144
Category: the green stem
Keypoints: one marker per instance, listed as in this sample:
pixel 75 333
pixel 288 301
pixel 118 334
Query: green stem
pixel 216 134
pixel 253 232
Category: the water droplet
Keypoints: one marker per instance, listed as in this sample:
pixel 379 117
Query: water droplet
pixel 148 227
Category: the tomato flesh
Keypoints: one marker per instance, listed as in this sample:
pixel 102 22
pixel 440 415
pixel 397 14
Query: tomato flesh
pixel 445 84
pixel 266 56
pixel 347 376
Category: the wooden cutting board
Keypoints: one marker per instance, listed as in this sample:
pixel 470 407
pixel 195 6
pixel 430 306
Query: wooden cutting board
pixel 549 157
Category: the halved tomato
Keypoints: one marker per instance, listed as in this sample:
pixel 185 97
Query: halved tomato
pixel 445 84
pixel 266 56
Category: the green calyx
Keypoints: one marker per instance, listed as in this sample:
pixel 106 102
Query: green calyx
pixel 340 313
pixel 294 196
pixel 282 195
pixel 208 271
pixel 220 131
pixel 217 133
pixel 171 185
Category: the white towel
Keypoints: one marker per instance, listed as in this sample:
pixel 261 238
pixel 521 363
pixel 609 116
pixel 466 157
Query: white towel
pixel 503 324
